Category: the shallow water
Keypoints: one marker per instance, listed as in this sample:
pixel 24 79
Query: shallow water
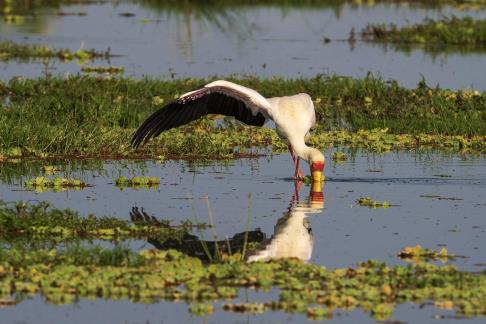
pixel 251 194
pixel 437 201
pixel 86 311
pixel 263 41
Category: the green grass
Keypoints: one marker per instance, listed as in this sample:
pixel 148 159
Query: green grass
pixel 433 35
pixel 92 117
pixel 11 50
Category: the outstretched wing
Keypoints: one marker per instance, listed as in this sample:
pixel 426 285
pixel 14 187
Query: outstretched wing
pixel 219 97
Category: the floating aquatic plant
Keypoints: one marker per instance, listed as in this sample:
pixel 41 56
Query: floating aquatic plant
pixel 420 254
pixel 137 182
pixel 368 202
pixel 10 50
pixel 149 276
pixel 57 183
pixel 103 69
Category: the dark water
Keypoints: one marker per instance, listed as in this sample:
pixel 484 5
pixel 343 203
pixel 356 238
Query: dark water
pixel 263 41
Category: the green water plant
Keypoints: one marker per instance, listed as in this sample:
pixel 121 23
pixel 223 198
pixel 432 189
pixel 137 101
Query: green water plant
pixel 369 202
pixel 137 182
pixel 76 118
pixel 148 276
pixel 11 50
pixel 432 34
pixel 103 69
pixel 419 254
pixel 57 183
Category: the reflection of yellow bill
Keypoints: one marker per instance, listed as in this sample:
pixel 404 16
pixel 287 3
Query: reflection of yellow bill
pixel 316 176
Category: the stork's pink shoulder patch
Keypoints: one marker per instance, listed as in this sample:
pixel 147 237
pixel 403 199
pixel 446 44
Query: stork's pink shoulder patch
pixel 317 166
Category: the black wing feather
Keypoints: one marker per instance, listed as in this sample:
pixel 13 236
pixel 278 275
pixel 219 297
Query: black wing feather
pixel 191 108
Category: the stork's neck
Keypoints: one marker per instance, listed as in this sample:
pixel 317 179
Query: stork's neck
pixel 307 153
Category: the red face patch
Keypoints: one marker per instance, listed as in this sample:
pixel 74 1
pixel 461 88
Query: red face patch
pixel 317 166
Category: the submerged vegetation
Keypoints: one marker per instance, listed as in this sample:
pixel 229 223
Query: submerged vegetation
pixel 87 116
pixel 466 32
pixel 10 50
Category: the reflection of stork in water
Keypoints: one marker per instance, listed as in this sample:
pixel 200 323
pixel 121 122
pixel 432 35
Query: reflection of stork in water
pixel 293 237
pixel 191 244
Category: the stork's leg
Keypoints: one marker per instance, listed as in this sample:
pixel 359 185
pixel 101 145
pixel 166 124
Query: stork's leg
pixel 298 173
pixel 295 196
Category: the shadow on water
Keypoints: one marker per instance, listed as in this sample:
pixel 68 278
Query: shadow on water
pixel 292 237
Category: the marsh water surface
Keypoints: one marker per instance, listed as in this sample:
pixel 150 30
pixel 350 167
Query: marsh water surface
pixel 155 40
pixel 436 200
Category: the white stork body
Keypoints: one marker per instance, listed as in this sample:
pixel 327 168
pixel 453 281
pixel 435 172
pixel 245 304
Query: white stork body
pixel 293 116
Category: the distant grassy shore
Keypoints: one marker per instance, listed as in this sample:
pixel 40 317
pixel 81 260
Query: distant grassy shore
pixel 95 117
pixel 10 7
pixel 466 32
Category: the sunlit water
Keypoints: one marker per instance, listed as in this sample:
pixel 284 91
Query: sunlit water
pixel 252 194
pixel 263 41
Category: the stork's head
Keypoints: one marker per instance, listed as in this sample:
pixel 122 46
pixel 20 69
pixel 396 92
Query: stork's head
pixel 317 163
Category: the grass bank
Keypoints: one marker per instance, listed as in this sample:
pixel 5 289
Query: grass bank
pixel 95 117
pixel 9 7
pixel 465 33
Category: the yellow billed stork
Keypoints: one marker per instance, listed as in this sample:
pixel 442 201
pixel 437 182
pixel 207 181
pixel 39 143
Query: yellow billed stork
pixel 293 116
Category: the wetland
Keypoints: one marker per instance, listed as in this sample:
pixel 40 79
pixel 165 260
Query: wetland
pixel 205 223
